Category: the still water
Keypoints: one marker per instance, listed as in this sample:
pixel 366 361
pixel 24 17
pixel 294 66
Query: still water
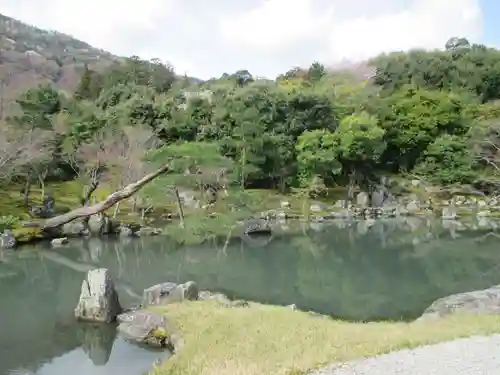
pixel 389 269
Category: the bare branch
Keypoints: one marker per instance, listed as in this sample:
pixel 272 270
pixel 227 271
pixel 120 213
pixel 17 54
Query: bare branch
pixel 20 147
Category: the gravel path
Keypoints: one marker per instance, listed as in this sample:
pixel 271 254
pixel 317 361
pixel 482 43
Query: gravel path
pixel 476 355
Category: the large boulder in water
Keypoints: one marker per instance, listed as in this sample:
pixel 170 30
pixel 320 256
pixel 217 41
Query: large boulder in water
pixel 74 228
pixel 164 293
pixel 99 224
pixel 7 240
pixel 257 226
pixel 486 301
pixel 98 298
pixel 147 327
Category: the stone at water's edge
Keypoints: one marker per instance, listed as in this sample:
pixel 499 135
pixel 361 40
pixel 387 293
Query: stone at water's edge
pixel 486 301
pixel 7 240
pixel 98 298
pixel 99 224
pixel 147 327
pixel 168 292
pixel 59 241
pixel 74 228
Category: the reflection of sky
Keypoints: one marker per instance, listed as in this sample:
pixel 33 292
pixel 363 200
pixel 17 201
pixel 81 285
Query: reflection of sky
pixel 125 359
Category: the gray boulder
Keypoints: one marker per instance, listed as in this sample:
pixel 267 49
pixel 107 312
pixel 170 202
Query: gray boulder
pixel 125 231
pixel 99 224
pixel 59 241
pixel 148 232
pixel 485 301
pixel 7 240
pixel 257 226
pixel 362 199
pixel 147 327
pixel 377 198
pixel 98 300
pixel 74 228
pixel 165 293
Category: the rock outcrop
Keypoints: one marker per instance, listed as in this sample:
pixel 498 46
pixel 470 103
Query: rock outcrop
pixel 486 301
pixel 99 224
pixel 7 240
pixel 98 298
pixel 165 293
pixel 147 327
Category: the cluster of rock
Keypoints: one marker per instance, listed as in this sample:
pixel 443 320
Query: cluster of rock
pixel 99 302
pixel 102 224
pixel 95 225
pixel 406 205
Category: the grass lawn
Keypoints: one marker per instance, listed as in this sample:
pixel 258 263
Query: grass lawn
pixel 272 340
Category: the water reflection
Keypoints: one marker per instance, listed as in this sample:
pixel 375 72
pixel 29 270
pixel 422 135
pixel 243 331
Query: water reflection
pixel 101 360
pixel 97 342
pixel 359 270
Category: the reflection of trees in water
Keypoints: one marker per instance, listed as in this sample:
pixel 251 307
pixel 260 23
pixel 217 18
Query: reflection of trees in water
pixel 368 272
pixel 373 271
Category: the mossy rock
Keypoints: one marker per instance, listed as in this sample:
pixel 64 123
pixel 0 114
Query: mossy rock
pixel 27 234
pixel 159 338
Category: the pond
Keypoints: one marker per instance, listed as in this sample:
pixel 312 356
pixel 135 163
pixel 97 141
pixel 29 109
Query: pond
pixel 366 270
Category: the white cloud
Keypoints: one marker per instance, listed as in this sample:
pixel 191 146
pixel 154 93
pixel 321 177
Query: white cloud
pixel 98 22
pixel 275 24
pixel 352 29
pixel 425 24
pixel 266 37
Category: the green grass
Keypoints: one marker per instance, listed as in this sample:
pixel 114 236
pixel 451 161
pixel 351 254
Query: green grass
pixel 272 340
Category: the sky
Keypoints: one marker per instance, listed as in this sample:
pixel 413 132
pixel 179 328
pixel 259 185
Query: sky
pixel 268 37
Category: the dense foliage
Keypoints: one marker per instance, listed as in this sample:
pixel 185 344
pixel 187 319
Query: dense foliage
pixel 430 114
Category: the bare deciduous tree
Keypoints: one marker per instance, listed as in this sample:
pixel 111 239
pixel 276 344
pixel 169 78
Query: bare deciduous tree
pixel 125 151
pixel 19 148
pixel 88 161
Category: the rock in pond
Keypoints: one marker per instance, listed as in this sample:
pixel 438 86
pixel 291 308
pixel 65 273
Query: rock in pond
pixel 98 298
pixel 74 228
pixel 148 231
pixel 485 301
pixel 257 226
pixel 124 231
pixel 147 327
pixel 164 293
pixel 59 241
pixel 99 224
pixel 7 240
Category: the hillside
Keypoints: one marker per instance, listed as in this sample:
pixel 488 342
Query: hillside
pixel 30 56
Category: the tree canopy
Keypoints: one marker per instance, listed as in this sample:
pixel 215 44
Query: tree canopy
pixel 429 113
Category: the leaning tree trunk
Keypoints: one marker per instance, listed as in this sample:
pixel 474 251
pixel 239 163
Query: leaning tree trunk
pixel 179 206
pixel 350 187
pixel 109 202
pixel 26 193
pixel 90 190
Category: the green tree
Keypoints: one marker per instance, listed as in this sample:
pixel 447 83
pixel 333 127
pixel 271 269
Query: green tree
pixel 360 146
pixel 317 155
pixel 413 118
pixel 448 160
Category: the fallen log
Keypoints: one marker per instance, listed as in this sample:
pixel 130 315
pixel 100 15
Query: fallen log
pixel 110 201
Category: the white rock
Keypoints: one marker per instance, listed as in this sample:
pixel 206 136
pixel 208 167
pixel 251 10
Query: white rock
pixel 98 298
pixel 285 204
pixel 59 241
